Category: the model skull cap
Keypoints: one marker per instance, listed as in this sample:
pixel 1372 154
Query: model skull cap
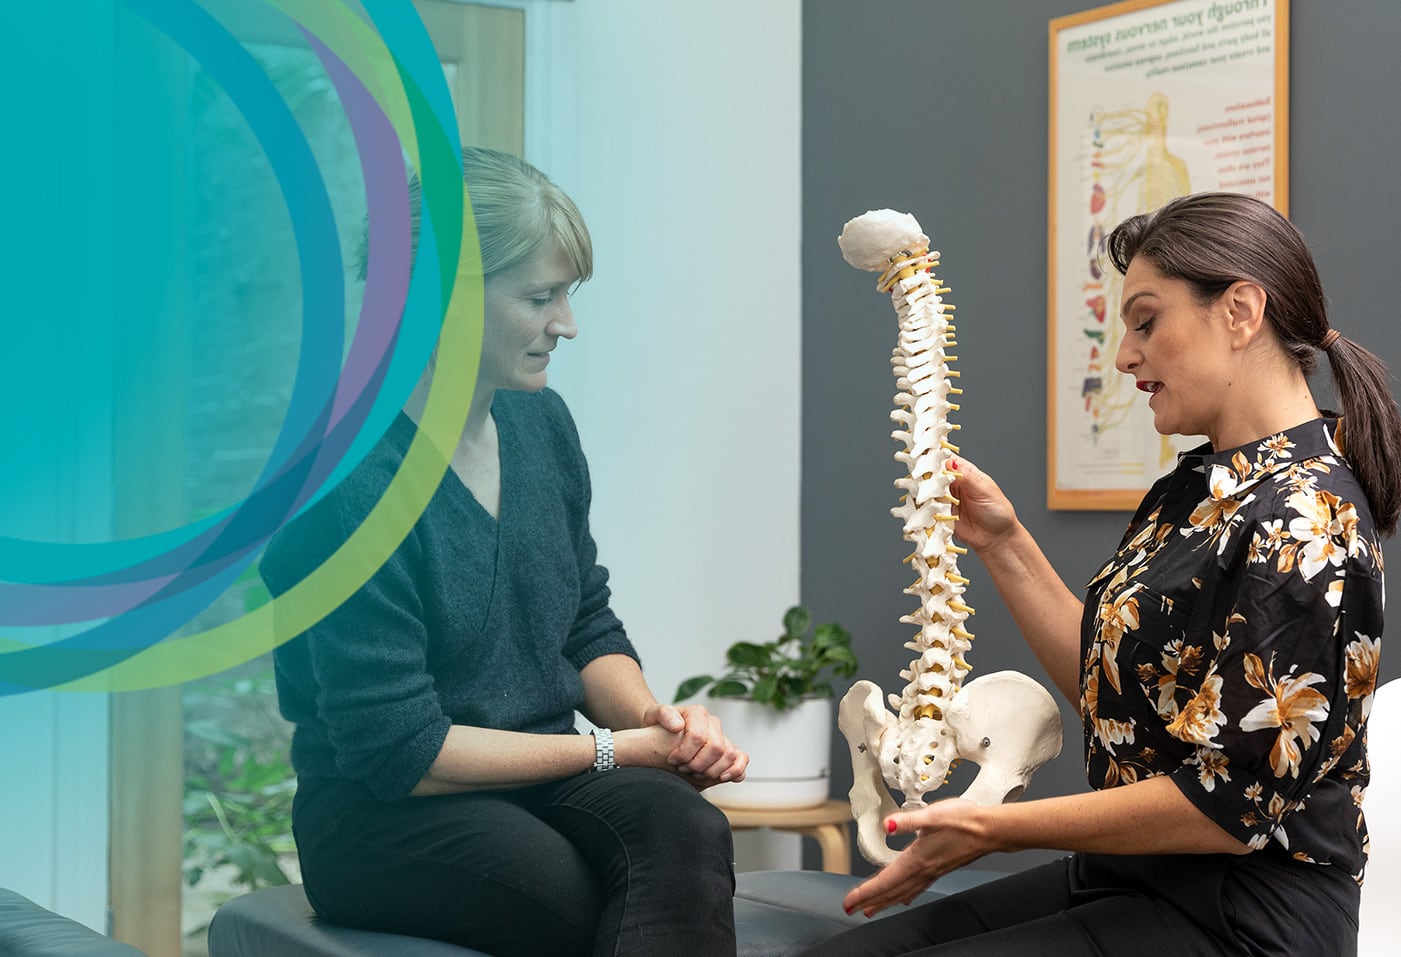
pixel 869 240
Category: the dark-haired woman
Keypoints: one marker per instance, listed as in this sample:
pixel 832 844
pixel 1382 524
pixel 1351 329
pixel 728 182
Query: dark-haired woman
pixel 1223 660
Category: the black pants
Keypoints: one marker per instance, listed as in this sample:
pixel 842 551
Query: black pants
pixel 1130 906
pixel 632 861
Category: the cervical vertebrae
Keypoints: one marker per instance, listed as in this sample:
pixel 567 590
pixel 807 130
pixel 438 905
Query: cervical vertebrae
pixel 914 751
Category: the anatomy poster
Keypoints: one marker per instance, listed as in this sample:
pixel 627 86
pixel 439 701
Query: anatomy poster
pixel 1148 100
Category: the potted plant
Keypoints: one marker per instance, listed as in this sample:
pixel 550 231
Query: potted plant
pixel 775 702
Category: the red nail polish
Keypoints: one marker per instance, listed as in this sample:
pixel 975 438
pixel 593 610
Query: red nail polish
pixel 848 910
pixel 890 827
pixel 953 464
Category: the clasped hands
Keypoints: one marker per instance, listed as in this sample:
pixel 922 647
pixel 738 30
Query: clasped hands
pixel 686 739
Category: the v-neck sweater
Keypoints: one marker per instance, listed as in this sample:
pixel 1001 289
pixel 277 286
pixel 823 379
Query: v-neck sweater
pixel 473 620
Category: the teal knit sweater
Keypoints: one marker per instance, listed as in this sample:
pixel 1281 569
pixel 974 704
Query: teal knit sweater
pixel 473 620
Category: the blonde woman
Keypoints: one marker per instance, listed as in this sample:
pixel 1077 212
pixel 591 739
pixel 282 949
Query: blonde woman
pixel 442 790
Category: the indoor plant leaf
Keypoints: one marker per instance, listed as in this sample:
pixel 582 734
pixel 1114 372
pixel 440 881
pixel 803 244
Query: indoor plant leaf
pixel 690 686
pixel 729 688
pixel 796 622
pixel 746 654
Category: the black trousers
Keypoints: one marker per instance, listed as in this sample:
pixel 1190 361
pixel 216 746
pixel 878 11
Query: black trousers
pixel 1127 906
pixel 632 861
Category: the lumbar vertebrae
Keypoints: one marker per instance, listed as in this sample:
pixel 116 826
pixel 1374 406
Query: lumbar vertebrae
pixel 1006 723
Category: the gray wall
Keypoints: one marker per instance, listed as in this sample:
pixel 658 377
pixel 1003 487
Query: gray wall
pixel 939 108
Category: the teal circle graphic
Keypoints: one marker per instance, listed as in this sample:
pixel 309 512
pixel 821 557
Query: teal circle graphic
pixel 142 592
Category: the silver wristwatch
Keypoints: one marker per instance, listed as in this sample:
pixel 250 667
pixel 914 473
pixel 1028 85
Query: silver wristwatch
pixel 603 750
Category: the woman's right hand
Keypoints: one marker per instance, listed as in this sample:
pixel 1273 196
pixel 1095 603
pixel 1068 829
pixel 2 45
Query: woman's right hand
pixel 654 746
pixel 1045 611
pixel 985 515
pixel 648 747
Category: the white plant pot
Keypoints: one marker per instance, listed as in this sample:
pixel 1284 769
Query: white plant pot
pixel 789 753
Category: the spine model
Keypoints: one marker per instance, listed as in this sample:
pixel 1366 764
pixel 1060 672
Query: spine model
pixel 919 756
pixel 933 728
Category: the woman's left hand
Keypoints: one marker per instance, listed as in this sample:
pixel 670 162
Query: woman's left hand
pixel 704 755
pixel 949 834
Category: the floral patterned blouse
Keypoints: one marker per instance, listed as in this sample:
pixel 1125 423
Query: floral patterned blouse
pixel 1233 641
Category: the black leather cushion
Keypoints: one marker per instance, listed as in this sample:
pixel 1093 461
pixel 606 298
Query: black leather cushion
pixel 819 894
pixel 28 930
pixel 767 930
pixel 777 914
pixel 278 922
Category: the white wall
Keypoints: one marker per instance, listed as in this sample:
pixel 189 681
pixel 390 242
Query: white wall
pixel 53 802
pixel 676 128
pixel 57 488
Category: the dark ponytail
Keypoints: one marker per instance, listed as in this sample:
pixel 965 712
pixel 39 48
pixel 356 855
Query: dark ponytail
pixel 1371 427
pixel 1211 240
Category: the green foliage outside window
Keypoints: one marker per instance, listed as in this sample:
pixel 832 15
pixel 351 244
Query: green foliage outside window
pixel 238 782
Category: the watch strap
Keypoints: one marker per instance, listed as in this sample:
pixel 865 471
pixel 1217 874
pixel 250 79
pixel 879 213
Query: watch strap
pixel 603 750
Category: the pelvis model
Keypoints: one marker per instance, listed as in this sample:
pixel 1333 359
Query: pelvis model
pixel 1004 722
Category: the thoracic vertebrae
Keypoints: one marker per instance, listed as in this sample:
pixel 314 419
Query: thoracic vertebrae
pixel 917 753
pixel 922 407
